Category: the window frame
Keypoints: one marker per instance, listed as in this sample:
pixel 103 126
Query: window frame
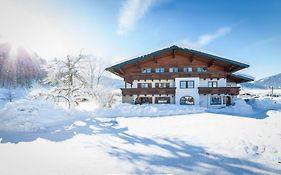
pixel 173 69
pixel 187 102
pixel 216 103
pixel 145 70
pixel 159 70
pixel 186 84
pixel 212 83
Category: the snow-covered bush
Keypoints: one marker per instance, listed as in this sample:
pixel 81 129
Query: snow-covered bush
pixel 105 97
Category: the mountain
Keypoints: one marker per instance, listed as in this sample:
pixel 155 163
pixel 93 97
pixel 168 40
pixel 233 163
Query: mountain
pixel 265 83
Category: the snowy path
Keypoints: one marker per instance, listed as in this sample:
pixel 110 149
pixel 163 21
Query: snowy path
pixel 202 143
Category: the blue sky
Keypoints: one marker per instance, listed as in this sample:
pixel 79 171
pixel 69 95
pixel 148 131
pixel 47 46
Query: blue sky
pixel 247 31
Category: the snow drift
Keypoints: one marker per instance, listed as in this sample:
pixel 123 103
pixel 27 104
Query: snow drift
pixel 31 116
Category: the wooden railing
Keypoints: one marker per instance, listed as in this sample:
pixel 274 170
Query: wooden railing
pixel 144 91
pixel 219 90
pixel 172 75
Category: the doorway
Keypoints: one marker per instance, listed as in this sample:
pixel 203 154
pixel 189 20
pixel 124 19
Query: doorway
pixel 228 100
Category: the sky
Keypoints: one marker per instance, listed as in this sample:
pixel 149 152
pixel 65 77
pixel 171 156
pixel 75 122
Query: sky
pixel 247 31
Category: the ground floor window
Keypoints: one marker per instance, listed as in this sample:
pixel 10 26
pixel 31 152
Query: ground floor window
pixel 215 100
pixel 143 100
pixel 187 100
pixel 162 100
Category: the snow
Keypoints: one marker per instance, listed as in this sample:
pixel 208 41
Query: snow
pixel 151 110
pixel 240 108
pixel 33 116
pixel 201 143
pixel 39 137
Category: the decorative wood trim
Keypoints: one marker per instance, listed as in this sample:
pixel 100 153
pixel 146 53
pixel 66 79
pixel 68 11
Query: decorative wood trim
pixel 150 91
pixel 219 90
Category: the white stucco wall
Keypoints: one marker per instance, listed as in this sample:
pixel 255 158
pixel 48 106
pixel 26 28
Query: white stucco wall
pixel 187 92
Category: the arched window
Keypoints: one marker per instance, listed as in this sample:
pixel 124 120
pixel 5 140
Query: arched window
pixel 187 100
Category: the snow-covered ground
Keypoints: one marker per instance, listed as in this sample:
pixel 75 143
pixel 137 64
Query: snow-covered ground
pixel 40 138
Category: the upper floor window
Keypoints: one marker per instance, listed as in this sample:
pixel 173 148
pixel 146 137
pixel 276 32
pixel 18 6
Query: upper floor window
pixel 212 84
pixel 173 69
pixel 187 69
pixel 146 70
pixel 159 70
pixel 144 85
pixel 201 69
pixel 164 85
pixel 186 84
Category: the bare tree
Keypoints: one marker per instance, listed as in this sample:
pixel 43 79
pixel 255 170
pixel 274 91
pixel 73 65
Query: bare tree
pixel 66 77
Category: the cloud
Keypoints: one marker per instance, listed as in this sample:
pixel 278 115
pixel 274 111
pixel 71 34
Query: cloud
pixel 206 39
pixel 130 12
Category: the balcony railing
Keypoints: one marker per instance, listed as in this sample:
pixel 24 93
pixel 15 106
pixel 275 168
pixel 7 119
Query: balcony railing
pixel 172 75
pixel 146 91
pixel 219 90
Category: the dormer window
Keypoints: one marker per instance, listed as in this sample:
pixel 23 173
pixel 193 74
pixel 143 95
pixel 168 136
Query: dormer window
pixel 146 70
pixel 159 70
pixel 173 69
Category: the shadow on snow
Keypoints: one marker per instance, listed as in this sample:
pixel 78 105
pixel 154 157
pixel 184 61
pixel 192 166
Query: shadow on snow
pixel 185 157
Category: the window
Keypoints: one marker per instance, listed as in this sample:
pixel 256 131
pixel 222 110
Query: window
pixel 146 70
pixel 186 84
pixel 200 69
pixel 187 69
pixel 182 84
pixel 159 70
pixel 173 69
pixel 187 100
pixel 162 100
pixel 144 85
pixel 164 85
pixel 215 100
pixel 212 84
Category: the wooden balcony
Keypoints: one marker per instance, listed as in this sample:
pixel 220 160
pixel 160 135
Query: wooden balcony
pixel 219 90
pixel 147 91
pixel 172 75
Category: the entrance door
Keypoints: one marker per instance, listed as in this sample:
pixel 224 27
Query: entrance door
pixel 228 101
